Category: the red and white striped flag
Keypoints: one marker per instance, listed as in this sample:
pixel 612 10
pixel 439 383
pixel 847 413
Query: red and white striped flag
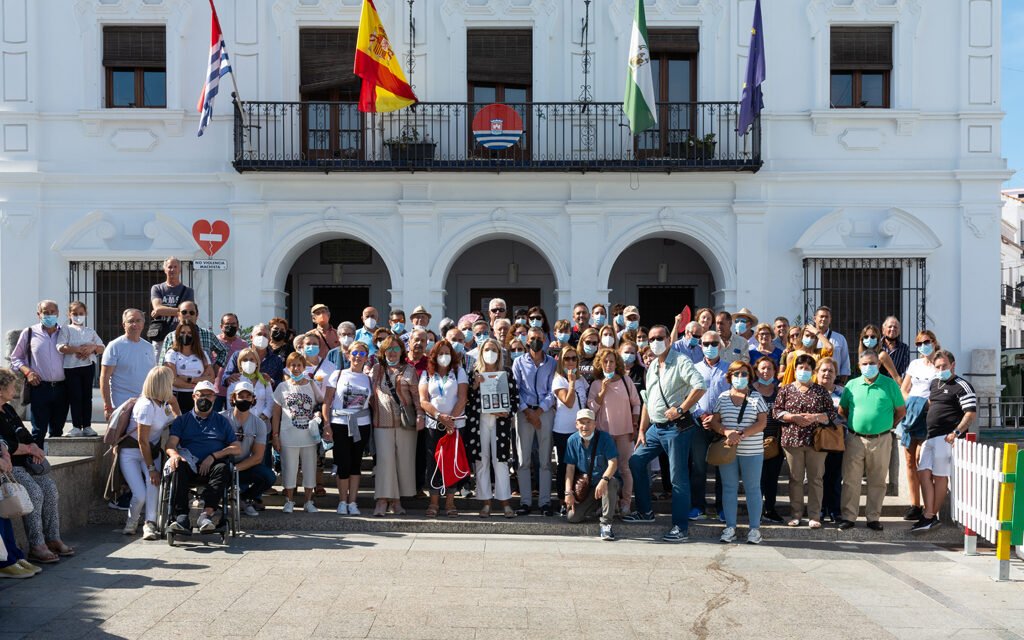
pixel 219 66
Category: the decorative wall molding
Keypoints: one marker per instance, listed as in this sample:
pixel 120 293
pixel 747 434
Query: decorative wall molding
pixel 883 233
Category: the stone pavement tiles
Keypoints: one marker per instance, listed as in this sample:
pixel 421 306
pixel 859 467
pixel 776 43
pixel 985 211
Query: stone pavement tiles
pixel 455 587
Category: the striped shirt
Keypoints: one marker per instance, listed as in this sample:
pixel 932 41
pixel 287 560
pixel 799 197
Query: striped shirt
pixel 948 401
pixel 730 414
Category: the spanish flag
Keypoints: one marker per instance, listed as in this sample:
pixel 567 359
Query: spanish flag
pixel 384 85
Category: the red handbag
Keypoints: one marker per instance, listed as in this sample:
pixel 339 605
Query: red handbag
pixel 450 456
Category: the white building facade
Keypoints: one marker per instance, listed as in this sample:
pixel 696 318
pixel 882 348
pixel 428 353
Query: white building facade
pixel 888 208
pixel 1011 319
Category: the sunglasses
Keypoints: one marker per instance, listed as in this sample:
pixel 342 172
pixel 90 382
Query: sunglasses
pixel 592 344
pixel 570 358
pixel 359 354
pixel 709 344
pixel 536 317
pixel 923 342
pixel 498 310
pixel 394 350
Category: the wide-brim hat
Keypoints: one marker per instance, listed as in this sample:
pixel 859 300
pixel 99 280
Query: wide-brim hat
pixel 630 311
pixel 420 311
pixel 319 307
pixel 745 313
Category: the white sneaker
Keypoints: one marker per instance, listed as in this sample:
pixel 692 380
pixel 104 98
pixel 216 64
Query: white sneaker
pixel 149 532
pixel 289 506
pixel 89 433
pixel 75 433
pixel 130 527
pixel 342 508
pixel 754 537
pixel 250 510
pixel 310 507
pixel 728 534
pixel 205 523
pixel 353 510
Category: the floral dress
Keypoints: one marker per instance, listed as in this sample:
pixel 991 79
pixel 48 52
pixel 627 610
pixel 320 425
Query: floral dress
pixel 791 400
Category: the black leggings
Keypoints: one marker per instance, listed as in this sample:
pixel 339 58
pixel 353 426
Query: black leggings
pixel 79 386
pixel 770 471
pixel 560 440
pixel 348 455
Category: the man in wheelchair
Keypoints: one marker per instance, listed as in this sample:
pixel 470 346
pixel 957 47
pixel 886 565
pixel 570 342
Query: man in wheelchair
pixel 199 451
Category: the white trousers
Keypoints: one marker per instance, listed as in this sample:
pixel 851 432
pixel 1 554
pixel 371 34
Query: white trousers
pixel 489 457
pixel 291 457
pixel 144 492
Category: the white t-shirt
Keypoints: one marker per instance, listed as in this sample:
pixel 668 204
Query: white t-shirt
pixel 352 394
pixel 264 396
pixel 565 417
pixel 322 375
pixel 185 366
pixel 921 374
pixel 444 391
pixel 76 336
pixel 157 416
pixel 300 406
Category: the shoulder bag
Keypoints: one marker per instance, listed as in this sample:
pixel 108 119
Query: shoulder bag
pixel 720 453
pixel 14 500
pixel 581 483
pixel 829 437
pixel 406 415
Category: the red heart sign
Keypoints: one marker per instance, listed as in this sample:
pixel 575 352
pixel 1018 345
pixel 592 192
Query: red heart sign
pixel 210 236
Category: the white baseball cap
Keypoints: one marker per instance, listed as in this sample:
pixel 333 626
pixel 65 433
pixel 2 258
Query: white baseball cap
pixel 243 385
pixel 205 385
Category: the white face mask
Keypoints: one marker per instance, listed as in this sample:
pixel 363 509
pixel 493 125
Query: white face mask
pixel 260 342
pixel 444 359
pixel 370 323
pixel 346 340
pixel 658 347
pixel 608 341
pixel 248 367
pixel 78 320
pixel 490 357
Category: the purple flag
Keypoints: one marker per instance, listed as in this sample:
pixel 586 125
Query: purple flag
pixel 752 101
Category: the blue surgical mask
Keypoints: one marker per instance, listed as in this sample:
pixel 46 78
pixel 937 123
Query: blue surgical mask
pixel 563 337
pixel 299 378
pixel 516 354
pixel 711 352
pixel 619 320
pixel 945 374
pixel 537 323
pixel 522 338
pixel 870 343
pixel 468 334
pixel 49 321
pixel 740 382
pixel 765 381
pixel 693 342
pixel 597 319
pixel 925 349
pixel 398 327
pixel 480 339
pixel 632 325
pixel 311 350
pixel 643 343
pixel 609 375
pixel 459 347
pixel 741 327
pixel 870 371
pixel 804 375
pixel 392 363
pixel 807 341
pixel 430 345
pixel 589 349
pixel 629 358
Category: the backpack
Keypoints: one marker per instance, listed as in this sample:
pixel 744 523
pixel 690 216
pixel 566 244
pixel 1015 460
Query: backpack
pixel 117 427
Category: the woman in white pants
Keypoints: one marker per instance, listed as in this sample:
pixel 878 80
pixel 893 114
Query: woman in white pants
pixel 139 452
pixel 295 429
pixel 489 435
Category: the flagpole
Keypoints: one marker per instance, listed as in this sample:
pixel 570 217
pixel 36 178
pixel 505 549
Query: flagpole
pixel 234 83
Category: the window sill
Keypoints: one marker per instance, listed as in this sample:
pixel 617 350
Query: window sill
pixel 822 119
pixel 171 119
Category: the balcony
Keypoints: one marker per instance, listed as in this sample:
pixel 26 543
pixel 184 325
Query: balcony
pixel 460 136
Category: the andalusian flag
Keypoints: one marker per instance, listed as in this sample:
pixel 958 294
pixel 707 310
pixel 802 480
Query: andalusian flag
pixel 384 85
pixel 639 103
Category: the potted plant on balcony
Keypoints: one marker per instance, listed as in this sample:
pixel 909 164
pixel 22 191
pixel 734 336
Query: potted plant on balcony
pixel 410 147
pixel 700 147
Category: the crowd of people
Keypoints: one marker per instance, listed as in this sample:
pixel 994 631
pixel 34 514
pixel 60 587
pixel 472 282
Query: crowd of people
pixel 574 416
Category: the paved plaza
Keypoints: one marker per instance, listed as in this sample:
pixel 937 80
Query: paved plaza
pixel 453 587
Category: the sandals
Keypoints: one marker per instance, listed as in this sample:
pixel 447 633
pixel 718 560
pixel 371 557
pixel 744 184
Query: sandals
pixel 61 549
pixel 52 558
pixel 814 524
pixel 319 491
pixel 452 513
pixel 431 512
pixel 380 510
pixel 485 512
pixel 397 509
pixel 795 522
pixel 509 512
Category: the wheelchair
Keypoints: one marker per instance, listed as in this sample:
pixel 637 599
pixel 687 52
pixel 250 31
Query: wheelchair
pixel 230 518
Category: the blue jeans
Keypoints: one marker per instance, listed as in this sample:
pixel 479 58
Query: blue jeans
pixel 255 480
pixel 676 444
pixel 7 539
pixel 750 468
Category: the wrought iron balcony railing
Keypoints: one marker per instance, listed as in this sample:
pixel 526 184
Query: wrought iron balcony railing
pixel 460 136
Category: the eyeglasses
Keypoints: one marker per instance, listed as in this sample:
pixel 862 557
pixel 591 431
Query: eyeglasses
pixel 923 342
pixel 394 350
pixel 186 312
pixel 359 354
pixel 498 310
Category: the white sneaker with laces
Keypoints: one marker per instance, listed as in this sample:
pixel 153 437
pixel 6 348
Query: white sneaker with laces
pixel 250 510
pixel 130 527
pixel 728 534
pixel 75 433
pixel 342 508
pixel 89 433
pixel 754 537
pixel 149 532
pixel 310 507
pixel 205 523
pixel 289 506
pixel 353 510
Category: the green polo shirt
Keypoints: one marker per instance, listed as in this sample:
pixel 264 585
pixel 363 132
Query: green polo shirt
pixel 871 407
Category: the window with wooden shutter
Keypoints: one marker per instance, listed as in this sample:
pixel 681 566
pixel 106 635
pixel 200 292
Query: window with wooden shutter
pixel 325 59
pixel 674 71
pixel 861 66
pixel 500 56
pixel 332 125
pixel 135 61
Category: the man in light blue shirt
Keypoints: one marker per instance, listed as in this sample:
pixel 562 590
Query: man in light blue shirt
pixel 534 373
pixel 689 344
pixel 365 333
pixel 712 368
pixel 840 349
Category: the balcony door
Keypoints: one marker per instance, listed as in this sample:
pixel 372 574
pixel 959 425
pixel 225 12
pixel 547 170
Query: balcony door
pixel 332 126
pixel 499 68
pixel 674 70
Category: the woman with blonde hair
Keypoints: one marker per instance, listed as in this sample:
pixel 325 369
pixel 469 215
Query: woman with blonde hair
pixel 249 369
pixel 913 429
pixel 870 337
pixel 570 389
pixel 139 452
pixel 809 341
pixel 587 347
pixel 616 405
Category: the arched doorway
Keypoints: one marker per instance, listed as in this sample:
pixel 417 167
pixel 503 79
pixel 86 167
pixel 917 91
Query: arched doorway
pixel 661 275
pixel 502 268
pixel 344 273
